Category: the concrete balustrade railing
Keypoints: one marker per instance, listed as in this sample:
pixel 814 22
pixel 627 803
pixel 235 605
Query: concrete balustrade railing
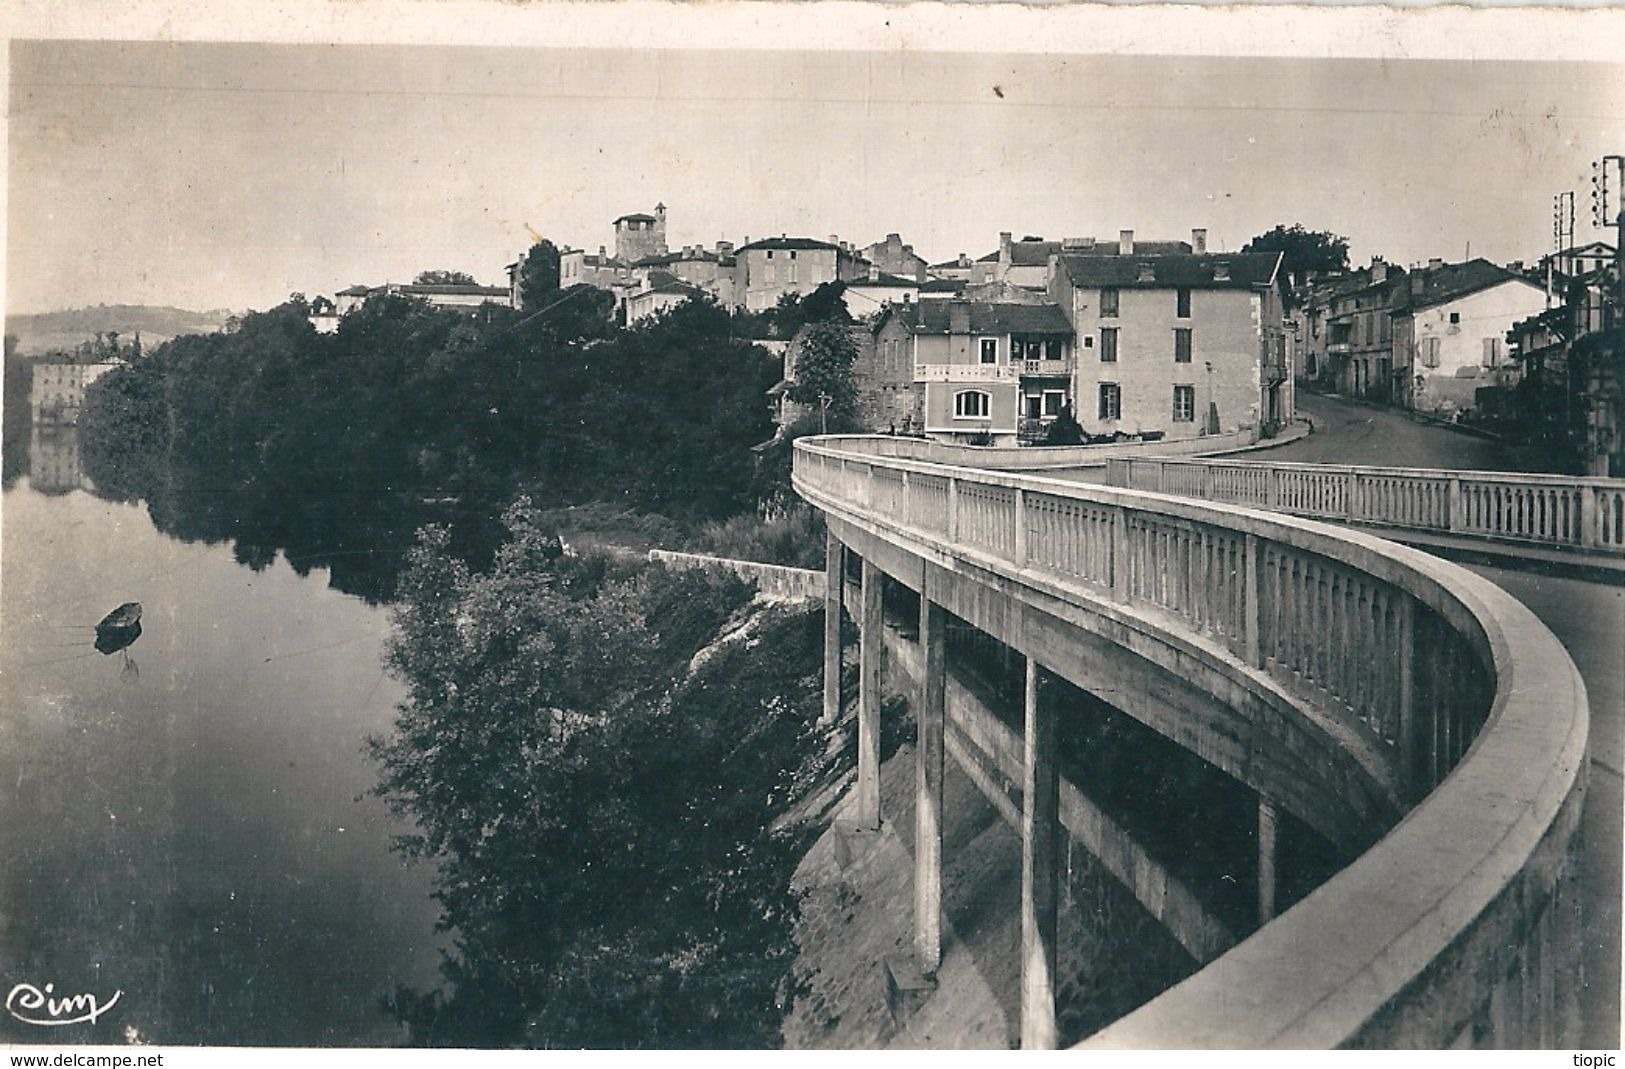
pixel 1554 511
pixel 1451 928
pixel 1037 458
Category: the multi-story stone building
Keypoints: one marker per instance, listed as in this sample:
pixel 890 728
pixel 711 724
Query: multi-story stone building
pixel 1177 344
pixel 1450 323
pixel 991 373
pixel 58 390
pixel 461 297
pixel 768 269
pixel 639 236
pixel 894 257
pixel 1346 331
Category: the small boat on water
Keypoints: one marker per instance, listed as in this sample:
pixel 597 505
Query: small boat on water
pixel 123 618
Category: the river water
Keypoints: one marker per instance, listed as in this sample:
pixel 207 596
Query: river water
pixel 189 828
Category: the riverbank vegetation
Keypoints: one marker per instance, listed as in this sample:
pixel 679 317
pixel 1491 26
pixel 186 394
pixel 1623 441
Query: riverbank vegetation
pixel 599 799
pixel 336 447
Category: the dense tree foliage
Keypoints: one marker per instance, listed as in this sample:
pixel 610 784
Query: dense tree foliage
pixel 825 353
pixel 1305 250
pixel 19 381
pixel 600 813
pixel 444 278
pixel 344 443
pixel 539 275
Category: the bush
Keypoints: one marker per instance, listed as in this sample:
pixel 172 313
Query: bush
pixel 794 538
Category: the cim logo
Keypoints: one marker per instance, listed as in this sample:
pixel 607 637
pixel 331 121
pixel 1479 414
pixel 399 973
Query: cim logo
pixel 30 1005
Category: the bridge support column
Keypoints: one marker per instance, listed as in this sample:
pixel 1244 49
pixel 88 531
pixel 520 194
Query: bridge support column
pixel 871 650
pixel 931 721
pixel 1267 818
pixel 834 584
pixel 1040 805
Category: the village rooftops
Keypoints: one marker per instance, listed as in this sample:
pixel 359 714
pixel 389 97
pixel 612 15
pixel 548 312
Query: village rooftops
pixel 1036 253
pixel 1237 270
pixel 788 243
pixel 1439 285
pixel 680 256
pixel 666 282
pixel 936 317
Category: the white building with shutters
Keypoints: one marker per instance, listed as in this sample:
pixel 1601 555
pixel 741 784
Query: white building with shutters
pixel 1450 328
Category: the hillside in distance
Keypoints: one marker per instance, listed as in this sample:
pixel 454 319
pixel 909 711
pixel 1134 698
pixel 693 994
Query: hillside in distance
pixel 44 332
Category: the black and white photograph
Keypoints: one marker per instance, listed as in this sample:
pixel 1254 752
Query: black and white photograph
pixel 823 527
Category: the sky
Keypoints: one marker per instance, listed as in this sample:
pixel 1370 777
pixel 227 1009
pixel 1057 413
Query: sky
pixel 210 175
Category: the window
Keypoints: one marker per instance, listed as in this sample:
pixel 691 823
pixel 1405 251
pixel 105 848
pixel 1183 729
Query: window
pixel 1182 345
pixel 990 350
pixel 792 255
pixel 1492 351
pixel 1184 404
pixel 770 254
pixel 1430 352
pixel 1455 317
pixel 1018 350
pixel 972 404
pixel 1108 301
pixel 1108 345
pixel 1053 350
pixel 1053 400
pixel 1111 401
pixel 1182 302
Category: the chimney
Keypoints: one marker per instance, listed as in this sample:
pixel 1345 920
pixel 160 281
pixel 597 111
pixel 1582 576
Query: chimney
pixel 958 316
pixel 1004 246
pixel 874 271
pixel 1435 263
pixel 1379 272
pixel 1125 243
pixel 1417 279
pixel 964 259
pixel 1199 241
pixel 835 239
pixel 746 241
pixel 603 253
pixel 724 248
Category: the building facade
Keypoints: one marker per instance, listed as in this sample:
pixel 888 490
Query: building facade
pixel 769 269
pixel 894 257
pixel 461 297
pixel 1345 328
pixel 639 236
pixel 1176 344
pixel 989 373
pixel 58 391
pixel 1450 324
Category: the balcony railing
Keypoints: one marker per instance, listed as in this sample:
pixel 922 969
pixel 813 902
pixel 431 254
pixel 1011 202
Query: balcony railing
pixel 965 373
pixel 1052 368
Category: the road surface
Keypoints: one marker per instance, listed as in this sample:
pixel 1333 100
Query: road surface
pixel 1350 433
pixel 1587 617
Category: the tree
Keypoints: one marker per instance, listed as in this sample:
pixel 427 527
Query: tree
pixel 822 377
pixel 1305 251
pixel 443 278
pixel 538 275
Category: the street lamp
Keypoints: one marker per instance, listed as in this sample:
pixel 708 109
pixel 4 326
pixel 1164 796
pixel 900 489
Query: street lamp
pixel 1207 412
pixel 823 412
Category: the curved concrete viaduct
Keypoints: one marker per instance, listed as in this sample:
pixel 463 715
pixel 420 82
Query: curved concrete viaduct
pixel 1395 703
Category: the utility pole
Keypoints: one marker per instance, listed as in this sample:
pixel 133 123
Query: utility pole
pixel 1608 178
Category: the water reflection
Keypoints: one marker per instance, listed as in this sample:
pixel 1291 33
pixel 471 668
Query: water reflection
pixel 54 465
pixel 197 835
